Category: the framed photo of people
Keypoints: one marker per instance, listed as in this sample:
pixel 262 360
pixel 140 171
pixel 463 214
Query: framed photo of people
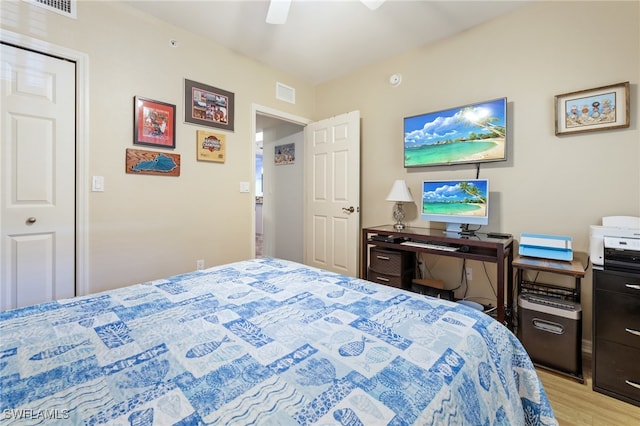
pixel 206 105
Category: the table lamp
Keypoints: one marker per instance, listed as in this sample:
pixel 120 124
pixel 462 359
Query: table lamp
pixel 400 194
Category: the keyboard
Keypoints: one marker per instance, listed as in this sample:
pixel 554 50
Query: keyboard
pixel 429 246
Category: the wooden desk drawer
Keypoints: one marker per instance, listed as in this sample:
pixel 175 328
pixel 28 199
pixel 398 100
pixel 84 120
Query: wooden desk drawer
pixel 617 318
pixel 389 262
pixel 616 371
pixel 380 278
pixel 621 282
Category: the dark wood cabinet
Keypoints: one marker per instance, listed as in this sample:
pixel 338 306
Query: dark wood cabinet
pixel 391 267
pixel 616 334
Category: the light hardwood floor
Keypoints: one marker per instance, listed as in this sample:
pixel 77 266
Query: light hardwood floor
pixel 577 404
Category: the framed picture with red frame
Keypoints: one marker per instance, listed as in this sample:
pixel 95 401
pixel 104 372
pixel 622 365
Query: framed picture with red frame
pixel 154 123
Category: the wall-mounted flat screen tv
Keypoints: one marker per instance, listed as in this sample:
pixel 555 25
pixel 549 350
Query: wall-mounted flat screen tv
pixel 474 133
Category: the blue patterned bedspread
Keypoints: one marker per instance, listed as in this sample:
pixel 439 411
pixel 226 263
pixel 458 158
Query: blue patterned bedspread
pixel 266 342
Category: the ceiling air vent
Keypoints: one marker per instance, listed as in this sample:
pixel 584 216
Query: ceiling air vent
pixel 285 93
pixel 67 8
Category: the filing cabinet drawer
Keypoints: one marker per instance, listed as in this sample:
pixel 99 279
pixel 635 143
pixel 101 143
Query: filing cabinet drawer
pixel 380 278
pixel 621 326
pixel 617 281
pixel 617 372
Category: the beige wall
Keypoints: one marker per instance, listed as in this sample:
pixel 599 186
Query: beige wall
pixel 550 184
pixel 147 227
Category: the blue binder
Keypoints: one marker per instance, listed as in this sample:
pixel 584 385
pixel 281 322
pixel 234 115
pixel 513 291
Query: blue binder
pixel 557 247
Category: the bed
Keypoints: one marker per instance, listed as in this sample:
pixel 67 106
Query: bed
pixel 265 342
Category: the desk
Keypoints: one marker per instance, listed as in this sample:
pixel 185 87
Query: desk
pixel 477 247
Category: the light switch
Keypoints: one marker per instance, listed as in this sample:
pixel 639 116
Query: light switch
pixel 244 186
pixel 98 184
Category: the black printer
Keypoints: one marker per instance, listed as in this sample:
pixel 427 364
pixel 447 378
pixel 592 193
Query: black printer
pixel 621 259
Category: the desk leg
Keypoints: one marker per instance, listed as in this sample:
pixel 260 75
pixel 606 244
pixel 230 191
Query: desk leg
pixel 364 254
pixel 510 310
pixel 505 312
pixel 500 295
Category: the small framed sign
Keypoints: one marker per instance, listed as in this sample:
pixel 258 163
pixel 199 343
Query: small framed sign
pixel 210 146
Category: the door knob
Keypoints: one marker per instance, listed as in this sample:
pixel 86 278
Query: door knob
pixel 348 210
pixel 31 220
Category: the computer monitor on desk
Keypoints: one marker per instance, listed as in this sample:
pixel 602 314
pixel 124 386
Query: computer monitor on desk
pixel 457 202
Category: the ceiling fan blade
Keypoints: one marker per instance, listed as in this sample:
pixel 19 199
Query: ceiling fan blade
pixel 278 11
pixel 372 4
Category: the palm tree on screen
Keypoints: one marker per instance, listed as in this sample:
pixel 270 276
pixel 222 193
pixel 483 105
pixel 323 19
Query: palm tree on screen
pixel 481 118
pixel 472 190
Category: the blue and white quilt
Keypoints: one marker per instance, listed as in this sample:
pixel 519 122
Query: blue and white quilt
pixel 264 342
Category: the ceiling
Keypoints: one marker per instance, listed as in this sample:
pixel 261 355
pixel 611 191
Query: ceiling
pixel 323 40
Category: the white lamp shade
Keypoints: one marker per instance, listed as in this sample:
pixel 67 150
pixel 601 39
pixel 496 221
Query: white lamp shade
pixel 399 192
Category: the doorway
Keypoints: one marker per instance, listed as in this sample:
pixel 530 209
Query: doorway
pixel 270 198
pixel 279 183
pixel 329 176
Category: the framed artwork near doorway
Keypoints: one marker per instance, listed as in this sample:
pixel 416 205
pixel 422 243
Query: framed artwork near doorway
pixel 154 123
pixel 285 154
pixel 210 146
pixel 208 106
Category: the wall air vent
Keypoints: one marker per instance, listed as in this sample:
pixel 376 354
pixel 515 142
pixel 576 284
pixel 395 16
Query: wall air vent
pixel 285 93
pixel 68 8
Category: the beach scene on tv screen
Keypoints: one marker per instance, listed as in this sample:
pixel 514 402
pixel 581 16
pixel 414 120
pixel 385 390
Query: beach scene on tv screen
pixel 473 133
pixel 455 198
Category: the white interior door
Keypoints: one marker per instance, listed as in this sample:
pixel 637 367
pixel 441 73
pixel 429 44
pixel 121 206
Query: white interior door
pixel 37 167
pixel 332 201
